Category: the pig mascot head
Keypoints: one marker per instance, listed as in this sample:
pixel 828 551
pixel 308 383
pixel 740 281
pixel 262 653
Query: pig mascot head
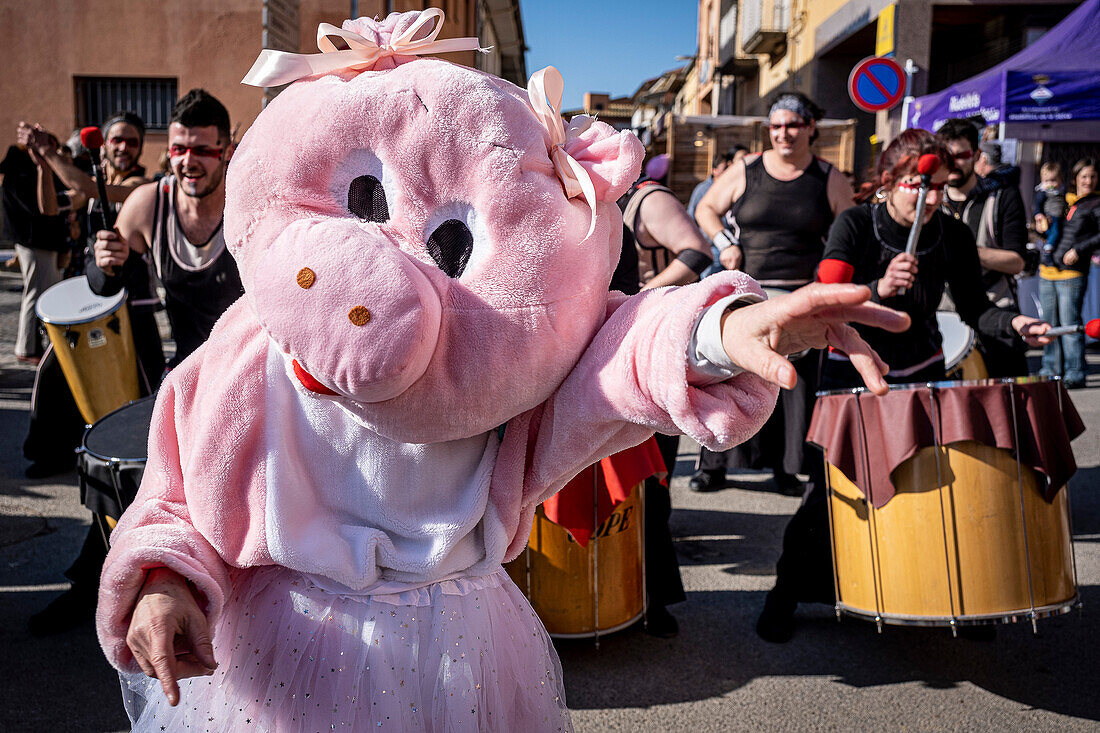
pixel 428 243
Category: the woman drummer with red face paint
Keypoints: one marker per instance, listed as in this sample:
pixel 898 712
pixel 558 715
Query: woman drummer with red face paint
pixel 867 245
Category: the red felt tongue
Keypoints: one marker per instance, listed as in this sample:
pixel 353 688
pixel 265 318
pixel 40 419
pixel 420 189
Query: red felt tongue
pixel 309 382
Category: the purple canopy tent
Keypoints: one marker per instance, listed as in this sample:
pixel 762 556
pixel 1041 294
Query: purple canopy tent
pixel 1054 80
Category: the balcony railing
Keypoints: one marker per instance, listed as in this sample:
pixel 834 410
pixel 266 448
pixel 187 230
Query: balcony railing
pixel 764 25
pixel 731 62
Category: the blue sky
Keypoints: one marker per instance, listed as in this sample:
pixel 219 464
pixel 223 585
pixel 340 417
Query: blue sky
pixel 608 45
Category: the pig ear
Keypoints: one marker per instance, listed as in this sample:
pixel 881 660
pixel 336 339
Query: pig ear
pixel 612 159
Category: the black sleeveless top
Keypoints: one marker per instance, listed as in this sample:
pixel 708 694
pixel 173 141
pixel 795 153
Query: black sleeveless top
pixel 197 291
pixel 782 224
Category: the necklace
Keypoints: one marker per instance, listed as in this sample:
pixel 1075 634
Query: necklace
pixel 878 235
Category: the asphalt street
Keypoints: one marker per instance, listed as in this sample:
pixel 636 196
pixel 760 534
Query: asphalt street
pixel 715 676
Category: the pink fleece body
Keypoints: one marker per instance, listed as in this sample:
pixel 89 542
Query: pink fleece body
pixel 527 336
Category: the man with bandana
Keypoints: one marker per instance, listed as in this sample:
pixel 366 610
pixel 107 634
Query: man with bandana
pixel 781 203
pixel 123 141
pixel 178 221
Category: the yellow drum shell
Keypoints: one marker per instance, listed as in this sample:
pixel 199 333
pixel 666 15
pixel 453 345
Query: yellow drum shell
pixel 970 368
pixel 99 362
pixel 955 553
pixel 581 591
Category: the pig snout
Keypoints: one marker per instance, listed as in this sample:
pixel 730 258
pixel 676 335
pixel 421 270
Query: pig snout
pixel 356 313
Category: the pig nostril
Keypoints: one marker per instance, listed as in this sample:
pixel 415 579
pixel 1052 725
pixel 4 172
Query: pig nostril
pixel 306 278
pixel 359 315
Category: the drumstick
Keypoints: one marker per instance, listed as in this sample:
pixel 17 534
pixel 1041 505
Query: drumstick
pixel 927 165
pixel 1091 329
pixel 92 139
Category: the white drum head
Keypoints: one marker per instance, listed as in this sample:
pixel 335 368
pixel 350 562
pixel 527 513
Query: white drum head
pixel 958 338
pixel 71 302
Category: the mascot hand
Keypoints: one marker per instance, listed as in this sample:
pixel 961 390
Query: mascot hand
pixel 169 635
pixel 758 337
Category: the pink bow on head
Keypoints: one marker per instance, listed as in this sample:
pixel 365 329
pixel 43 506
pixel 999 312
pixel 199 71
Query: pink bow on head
pixel 354 51
pixel 545 91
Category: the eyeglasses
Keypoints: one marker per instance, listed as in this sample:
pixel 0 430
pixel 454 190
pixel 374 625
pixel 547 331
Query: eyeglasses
pixel 199 151
pixel 774 127
pixel 963 155
pixel 915 187
pixel 119 140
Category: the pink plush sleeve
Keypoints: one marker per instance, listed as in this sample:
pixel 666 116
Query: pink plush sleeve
pixel 633 381
pixel 157 530
pixel 200 508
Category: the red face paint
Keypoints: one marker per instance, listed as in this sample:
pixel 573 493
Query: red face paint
pixel 199 151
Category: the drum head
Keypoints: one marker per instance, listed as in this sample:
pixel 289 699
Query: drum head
pixel 122 435
pixel 72 301
pixel 958 338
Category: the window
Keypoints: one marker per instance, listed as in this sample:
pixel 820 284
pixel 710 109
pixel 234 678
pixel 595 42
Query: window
pixel 99 97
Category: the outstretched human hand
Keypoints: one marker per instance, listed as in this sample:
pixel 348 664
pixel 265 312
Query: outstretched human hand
pixel 169 635
pixel 758 337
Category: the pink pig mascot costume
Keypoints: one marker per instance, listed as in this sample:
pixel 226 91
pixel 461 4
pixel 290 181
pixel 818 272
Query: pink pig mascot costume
pixel 425 351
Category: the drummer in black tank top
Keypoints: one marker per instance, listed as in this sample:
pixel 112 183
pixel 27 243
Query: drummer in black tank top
pixel 182 225
pixel 782 202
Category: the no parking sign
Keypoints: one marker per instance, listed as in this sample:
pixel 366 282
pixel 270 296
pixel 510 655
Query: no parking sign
pixel 876 83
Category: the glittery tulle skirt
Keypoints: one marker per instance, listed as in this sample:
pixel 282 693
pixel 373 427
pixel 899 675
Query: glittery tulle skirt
pixel 464 654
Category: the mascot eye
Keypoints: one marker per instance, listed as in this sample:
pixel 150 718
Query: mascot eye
pixel 367 200
pixel 450 246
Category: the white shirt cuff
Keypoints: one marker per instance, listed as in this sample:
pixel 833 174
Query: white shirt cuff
pixel 708 362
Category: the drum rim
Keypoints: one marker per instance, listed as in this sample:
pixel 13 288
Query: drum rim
pixel 600 632
pixel 57 321
pixel 945 384
pixel 1012 616
pixel 113 459
pixel 971 338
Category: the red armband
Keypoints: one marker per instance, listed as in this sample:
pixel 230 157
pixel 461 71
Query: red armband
pixel 835 271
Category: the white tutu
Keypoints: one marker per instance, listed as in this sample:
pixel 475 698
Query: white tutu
pixel 464 654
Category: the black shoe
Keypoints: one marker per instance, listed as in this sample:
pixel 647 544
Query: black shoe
pixel 788 484
pixel 660 623
pixel 45 470
pixel 776 622
pixel 67 611
pixel 704 481
pixel 1074 385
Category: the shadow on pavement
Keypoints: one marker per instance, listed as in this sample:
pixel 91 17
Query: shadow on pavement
pixel 717 652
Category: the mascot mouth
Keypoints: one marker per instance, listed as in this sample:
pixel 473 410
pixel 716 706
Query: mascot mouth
pixel 309 382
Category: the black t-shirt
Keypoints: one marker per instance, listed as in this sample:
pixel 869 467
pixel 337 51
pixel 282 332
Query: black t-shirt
pixel 23 224
pixel 867 238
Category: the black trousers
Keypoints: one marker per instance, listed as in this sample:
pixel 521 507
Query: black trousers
pixel 779 445
pixel 662 570
pixel 804 572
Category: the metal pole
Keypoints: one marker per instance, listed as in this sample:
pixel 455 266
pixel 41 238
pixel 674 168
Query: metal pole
pixel 872 530
pixel 1023 512
pixel 910 70
pixel 937 444
pixel 596 553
